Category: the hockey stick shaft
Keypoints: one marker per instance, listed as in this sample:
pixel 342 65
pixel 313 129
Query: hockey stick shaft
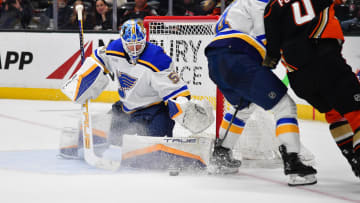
pixel 89 154
pixel 220 141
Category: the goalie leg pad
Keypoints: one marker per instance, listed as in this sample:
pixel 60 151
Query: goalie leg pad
pixel 88 82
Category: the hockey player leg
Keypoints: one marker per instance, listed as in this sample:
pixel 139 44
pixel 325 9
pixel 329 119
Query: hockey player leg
pixel 299 174
pixel 345 139
pixel 230 131
pixel 354 121
pixel 287 131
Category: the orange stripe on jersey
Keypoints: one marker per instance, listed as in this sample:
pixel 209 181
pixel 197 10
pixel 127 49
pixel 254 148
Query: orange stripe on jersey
pixel 345 142
pixel 290 68
pixel 338 2
pixel 268 13
pixel 233 128
pixel 328 25
pixel 356 148
pixel 287 129
pixel 333 116
pixel 353 119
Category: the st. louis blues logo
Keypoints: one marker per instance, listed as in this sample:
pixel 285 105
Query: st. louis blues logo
pixel 126 82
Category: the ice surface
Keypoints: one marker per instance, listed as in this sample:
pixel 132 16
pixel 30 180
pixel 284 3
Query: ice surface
pixel 31 172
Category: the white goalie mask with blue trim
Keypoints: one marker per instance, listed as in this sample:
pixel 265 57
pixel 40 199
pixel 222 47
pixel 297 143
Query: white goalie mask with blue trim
pixel 133 37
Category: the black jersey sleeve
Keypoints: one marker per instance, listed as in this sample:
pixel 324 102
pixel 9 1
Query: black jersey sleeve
pixel 272 29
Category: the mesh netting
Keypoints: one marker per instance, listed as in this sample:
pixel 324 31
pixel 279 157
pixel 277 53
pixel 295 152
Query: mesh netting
pixel 191 28
pixel 185 42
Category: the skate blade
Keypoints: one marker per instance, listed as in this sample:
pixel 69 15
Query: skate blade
pixel 221 170
pixel 296 180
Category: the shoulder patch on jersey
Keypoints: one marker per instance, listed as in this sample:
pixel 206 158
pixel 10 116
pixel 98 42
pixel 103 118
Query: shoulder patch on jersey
pixel 155 58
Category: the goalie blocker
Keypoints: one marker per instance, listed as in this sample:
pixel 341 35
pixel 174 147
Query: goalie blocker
pixel 87 83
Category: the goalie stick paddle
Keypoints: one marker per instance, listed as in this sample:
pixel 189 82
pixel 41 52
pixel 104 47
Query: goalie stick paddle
pixel 89 153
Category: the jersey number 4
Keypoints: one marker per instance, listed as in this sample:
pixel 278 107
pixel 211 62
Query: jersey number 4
pixel 309 12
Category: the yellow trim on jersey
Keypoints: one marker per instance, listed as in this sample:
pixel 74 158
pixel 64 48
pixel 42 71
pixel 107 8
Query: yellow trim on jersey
pixel 149 64
pixel 183 94
pixel 115 52
pixel 247 38
pixel 101 64
pixel 287 128
pixel 233 127
pixel 179 112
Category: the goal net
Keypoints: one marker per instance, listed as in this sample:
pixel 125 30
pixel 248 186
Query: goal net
pixel 184 39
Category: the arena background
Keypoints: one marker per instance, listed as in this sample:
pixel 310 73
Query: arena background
pixel 35 65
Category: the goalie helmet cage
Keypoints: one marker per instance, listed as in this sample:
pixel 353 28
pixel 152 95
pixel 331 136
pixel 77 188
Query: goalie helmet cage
pixel 184 39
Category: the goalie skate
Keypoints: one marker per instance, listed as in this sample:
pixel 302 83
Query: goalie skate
pixel 299 173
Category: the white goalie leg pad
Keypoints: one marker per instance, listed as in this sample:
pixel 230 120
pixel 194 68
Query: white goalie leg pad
pixel 87 83
pixel 287 129
pixel 194 115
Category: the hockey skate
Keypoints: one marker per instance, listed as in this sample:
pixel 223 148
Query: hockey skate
pixel 299 173
pixel 353 160
pixel 222 162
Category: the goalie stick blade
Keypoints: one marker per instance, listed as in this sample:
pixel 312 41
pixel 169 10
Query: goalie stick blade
pixel 108 164
pixel 295 180
pixel 102 163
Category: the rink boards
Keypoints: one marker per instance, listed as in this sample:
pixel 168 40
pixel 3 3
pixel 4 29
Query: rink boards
pixel 35 65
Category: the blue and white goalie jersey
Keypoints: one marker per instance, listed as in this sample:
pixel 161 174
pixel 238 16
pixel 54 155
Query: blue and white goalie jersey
pixel 241 27
pixel 150 81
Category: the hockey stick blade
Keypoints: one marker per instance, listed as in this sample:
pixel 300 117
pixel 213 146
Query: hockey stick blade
pixel 103 163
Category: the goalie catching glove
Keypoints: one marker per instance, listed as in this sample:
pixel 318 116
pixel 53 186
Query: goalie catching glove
pixel 87 83
pixel 194 115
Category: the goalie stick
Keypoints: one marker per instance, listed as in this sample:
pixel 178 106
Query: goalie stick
pixel 89 154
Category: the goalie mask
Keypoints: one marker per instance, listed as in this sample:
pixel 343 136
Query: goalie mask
pixel 133 37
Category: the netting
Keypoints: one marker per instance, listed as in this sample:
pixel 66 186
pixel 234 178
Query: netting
pixel 185 42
